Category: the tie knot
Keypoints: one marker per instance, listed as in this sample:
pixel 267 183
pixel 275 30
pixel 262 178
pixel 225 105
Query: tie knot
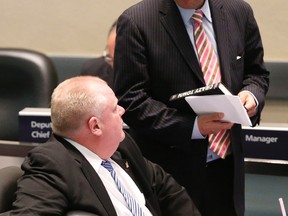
pixel 198 16
pixel 107 165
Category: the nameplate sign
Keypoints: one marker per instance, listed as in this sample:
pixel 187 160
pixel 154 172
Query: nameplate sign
pixel 266 142
pixel 34 125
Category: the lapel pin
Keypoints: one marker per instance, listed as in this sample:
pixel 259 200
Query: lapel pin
pixel 126 164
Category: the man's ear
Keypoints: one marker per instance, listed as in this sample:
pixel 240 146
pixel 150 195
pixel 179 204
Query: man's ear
pixel 94 126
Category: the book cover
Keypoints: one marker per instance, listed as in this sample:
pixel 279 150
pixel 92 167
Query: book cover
pixel 213 89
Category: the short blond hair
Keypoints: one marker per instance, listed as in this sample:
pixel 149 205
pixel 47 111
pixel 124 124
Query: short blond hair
pixel 74 100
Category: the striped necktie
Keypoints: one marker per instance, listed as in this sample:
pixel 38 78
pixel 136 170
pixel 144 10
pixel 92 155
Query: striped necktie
pixel 219 142
pixel 131 202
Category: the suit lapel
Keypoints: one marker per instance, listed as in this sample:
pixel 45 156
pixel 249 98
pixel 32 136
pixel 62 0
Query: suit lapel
pixel 171 19
pixel 122 162
pixel 92 177
pixel 221 29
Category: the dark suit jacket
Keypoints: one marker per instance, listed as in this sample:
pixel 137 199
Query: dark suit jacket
pixel 154 59
pixel 98 67
pixel 59 179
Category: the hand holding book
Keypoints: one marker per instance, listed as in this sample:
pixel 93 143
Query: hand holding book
pixel 216 98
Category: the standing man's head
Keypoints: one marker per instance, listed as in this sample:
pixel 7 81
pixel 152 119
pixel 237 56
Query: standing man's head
pixel 84 109
pixel 110 45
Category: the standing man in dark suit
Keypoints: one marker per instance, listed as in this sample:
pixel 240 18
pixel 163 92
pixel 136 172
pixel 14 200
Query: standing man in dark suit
pixel 66 174
pixel 155 57
pixel 103 65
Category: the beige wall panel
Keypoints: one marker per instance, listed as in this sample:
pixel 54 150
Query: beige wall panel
pixel 59 27
pixel 74 27
pixel 272 19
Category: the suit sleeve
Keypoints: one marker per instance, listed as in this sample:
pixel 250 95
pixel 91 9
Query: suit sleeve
pixel 133 87
pixel 41 190
pixel 256 76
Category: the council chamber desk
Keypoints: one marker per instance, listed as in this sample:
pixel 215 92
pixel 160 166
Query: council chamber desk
pixel 266 166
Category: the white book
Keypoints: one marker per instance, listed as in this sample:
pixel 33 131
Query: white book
pixel 230 105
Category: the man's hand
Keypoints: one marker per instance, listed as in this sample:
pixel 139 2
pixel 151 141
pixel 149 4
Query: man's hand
pixel 212 124
pixel 248 102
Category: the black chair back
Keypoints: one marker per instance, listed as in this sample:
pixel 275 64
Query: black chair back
pixel 27 79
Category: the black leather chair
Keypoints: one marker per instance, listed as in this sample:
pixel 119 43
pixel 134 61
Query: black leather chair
pixel 27 79
pixel 8 185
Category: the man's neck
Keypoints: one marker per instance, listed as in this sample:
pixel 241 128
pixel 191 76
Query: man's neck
pixel 190 4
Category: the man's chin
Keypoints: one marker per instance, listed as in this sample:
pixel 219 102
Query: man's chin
pixel 123 136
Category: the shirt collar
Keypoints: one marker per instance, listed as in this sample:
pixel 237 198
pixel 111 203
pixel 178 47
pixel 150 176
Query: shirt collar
pixel 92 158
pixel 206 11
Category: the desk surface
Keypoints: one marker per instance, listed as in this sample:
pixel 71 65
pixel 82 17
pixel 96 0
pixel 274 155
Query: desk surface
pixel 15 149
pixel 262 193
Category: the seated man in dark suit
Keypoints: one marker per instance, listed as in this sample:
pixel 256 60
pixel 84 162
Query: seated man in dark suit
pixel 82 165
pixel 103 65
